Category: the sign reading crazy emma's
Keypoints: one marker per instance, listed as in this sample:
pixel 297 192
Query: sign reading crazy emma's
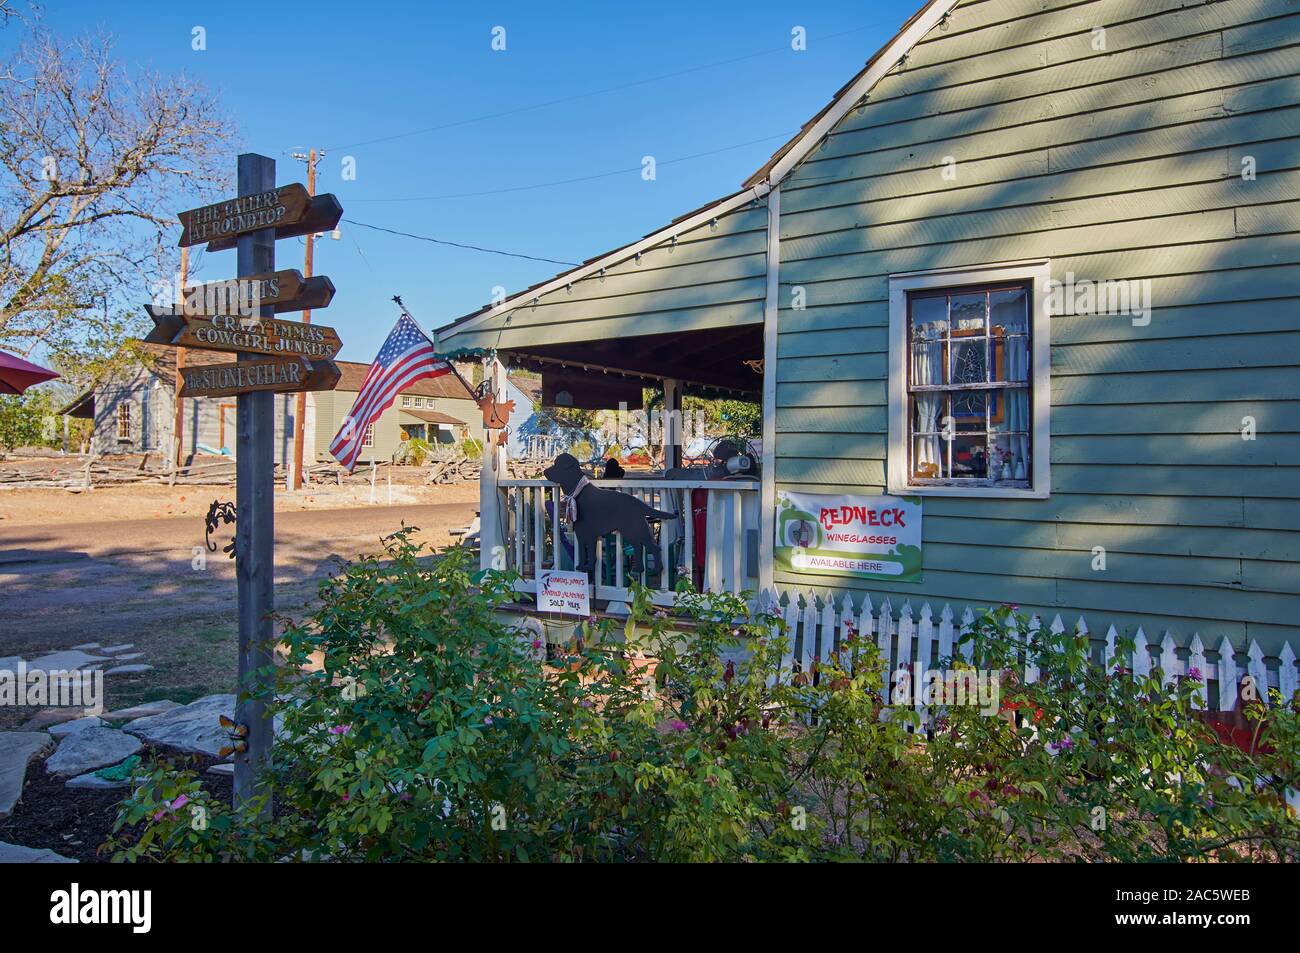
pixel 869 537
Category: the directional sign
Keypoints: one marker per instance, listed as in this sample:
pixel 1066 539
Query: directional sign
pixel 273 336
pixel 322 214
pixel 275 208
pixel 283 375
pixel 281 290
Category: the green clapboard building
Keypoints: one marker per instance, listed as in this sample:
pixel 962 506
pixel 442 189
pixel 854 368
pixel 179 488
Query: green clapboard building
pixel 1034 270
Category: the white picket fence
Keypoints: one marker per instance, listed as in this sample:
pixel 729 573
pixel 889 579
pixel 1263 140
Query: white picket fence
pixel 816 627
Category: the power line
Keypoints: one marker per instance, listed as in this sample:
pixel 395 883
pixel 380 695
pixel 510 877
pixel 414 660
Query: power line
pixel 583 178
pixel 597 92
pixel 439 241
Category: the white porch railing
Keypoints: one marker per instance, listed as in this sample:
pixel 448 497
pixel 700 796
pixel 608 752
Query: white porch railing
pixel 534 538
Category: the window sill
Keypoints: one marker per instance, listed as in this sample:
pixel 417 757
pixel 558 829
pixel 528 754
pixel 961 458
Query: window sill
pixel 985 492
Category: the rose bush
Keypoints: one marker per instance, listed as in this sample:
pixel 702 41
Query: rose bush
pixel 420 724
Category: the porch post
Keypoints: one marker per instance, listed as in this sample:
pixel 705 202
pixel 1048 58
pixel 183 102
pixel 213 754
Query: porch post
pixel 672 423
pixel 767 475
pixel 491 542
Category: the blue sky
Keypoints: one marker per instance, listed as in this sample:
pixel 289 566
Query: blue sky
pixel 337 75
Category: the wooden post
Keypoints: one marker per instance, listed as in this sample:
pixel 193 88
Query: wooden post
pixel 300 408
pixel 255 525
pixel 491 539
pixel 672 423
pixel 178 425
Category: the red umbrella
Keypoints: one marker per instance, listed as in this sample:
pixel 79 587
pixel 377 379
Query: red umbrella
pixel 16 375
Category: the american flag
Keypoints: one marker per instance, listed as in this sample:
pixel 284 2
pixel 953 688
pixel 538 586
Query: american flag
pixel 406 357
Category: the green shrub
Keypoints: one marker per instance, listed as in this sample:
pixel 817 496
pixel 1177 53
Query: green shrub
pixel 432 732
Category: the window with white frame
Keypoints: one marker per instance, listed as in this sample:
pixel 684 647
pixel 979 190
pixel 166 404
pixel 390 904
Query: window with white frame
pixel 406 401
pixel 969 394
pixel 124 420
pixel 368 438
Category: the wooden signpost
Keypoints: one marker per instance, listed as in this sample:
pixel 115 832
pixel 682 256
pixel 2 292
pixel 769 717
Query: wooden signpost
pixel 274 356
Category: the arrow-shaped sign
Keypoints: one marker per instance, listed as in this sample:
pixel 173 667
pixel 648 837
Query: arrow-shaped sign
pixel 321 215
pixel 280 290
pixel 278 207
pixel 282 375
pixel 272 336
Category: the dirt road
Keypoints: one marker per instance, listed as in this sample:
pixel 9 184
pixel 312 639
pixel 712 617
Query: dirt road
pixel 133 581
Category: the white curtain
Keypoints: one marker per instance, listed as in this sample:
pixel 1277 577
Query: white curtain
pixel 927 368
pixel 1016 417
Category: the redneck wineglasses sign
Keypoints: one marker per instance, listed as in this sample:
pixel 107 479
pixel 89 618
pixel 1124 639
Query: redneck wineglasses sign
pixel 870 537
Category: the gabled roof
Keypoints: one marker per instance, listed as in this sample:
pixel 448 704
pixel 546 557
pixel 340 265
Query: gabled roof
pixel 451 386
pixel 781 163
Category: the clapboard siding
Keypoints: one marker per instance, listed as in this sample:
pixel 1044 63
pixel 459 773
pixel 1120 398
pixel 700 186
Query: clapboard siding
pixel 1117 164
pixel 712 276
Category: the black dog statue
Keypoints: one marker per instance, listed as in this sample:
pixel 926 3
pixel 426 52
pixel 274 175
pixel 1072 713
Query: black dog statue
pixel 600 511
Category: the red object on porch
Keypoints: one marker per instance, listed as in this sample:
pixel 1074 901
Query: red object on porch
pixel 16 375
pixel 700 514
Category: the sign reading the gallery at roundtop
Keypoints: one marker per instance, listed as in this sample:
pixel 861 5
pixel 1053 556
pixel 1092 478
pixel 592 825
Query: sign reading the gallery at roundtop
pixel 273 208
pixel 245 377
pixel 867 537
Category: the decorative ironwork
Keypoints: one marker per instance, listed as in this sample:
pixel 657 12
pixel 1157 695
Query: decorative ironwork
pixel 218 513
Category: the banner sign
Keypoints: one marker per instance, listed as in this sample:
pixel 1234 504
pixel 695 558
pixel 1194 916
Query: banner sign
pixel 867 537
pixel 565 592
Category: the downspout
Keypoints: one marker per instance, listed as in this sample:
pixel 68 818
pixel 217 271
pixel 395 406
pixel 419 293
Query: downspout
pixel 767 472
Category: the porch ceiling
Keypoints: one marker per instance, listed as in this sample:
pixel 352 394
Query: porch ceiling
pixel 713 358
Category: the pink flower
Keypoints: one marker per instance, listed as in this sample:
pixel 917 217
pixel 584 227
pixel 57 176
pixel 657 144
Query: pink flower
pixel 347 798
pixel 340 729
pixel 676 725
pixel 180 802
pixel 1195 675
pixel 537 644
pixel 487 721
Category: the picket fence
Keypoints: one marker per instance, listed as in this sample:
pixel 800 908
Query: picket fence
pixel 815 627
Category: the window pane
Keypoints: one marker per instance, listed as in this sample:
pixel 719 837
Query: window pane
pixel 969 457
pixel 969 364
pixel 928 457
pixel 1008 310
pixel 927 363
pixel 968 409
pixel 929 318
pixel 968 312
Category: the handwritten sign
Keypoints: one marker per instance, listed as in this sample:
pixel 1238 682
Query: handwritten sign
pixel 274 208
pixel 867 537
pixel 563 592
pixel 244 377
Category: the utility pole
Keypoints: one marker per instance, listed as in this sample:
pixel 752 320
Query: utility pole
pixel 300 413
pixel 178 427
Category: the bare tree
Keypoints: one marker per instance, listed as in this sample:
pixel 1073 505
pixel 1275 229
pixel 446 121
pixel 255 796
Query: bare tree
pixel 99 161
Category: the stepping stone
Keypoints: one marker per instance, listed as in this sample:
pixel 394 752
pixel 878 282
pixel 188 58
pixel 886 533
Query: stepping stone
pixel 224 768
pixel 133 669
pixel 91 781
pixel 141 711
pixel 115 649
pixel 129 656
pixel 89 749
pixel 87 646
pixel 52 716
pixel 17 854
pixel 192 727
pixel 64 661
pixel 79 724
pixel 16 749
